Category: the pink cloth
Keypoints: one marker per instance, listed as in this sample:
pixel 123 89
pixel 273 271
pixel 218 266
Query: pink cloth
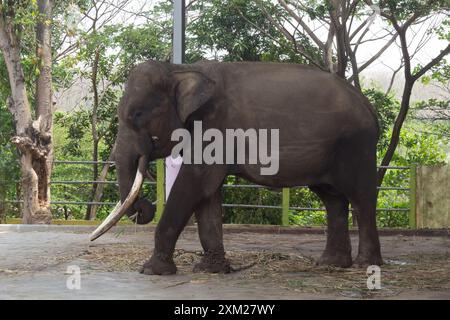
pixel 173 166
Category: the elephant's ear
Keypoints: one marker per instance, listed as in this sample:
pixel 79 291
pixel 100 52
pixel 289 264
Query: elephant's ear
pixel 192 90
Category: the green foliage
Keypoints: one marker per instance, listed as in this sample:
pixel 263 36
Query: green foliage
pixel 304 198
pixel 387 108
pixel 140 43
pixel 255 196
pixel 77 123
pixel 420 147
pixel 404 9
pixel 318 9
pixel 9 169
pixel 437 113
pixel 415 147
pixel 307 218
pixel 237 30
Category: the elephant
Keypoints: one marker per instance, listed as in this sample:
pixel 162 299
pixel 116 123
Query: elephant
pixel 328 132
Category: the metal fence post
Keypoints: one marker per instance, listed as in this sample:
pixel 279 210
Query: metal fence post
pixel 285 207
pixel 160 196
pixel 412 197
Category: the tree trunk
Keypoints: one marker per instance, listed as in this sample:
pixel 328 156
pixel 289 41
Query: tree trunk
pixel 33 138
pixel 339 31
pixel 94 132
pixel 44 107
pixel 395 137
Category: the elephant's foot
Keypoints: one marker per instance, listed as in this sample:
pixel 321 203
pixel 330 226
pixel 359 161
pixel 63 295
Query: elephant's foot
pixel 213 262
pixel 159 265
pixel 368 259
pixel 336 259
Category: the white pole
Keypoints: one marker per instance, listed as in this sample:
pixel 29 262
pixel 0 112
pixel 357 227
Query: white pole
pixel 173 165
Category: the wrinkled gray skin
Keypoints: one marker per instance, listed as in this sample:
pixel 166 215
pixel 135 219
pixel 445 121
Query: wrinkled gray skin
pixel 328 135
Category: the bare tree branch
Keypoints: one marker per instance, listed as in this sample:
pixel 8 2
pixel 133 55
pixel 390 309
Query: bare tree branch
pixel 305 27
pixel 432 63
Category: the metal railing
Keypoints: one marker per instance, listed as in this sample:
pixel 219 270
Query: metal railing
pixel 284 205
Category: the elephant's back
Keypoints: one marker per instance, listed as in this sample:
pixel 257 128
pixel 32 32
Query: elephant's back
pixel 300 99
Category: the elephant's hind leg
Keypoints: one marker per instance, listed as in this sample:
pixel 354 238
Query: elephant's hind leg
pixel 338 250
pixel 369 252
pixel 209 220
pixel 358 181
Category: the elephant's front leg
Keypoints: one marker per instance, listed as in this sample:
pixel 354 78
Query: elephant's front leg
pixel 209 221
pixel 191 186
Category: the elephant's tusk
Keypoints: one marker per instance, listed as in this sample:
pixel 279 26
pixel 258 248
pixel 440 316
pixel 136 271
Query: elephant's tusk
pixel 120 209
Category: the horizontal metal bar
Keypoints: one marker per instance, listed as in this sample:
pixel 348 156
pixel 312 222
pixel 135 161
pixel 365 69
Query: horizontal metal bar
pixel 83 182
pixel 92 182
pixel 112 162
pixel 299 187
pixel 393 188
pixel 244 186
pixel 82 162
pixel 323 209
pixel 85 162
pixel 83 203
pixel 229 205
pixel 393 209
pixel 68 202
pixel 351 209
pixel 228 186
pixel 250 206
pixel 307 209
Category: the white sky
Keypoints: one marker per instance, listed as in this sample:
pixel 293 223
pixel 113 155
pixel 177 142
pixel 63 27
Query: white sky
pixel 392 56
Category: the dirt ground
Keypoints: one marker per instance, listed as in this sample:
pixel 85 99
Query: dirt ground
pixel 34 264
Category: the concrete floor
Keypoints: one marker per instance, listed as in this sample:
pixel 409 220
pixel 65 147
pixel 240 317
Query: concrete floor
pixel 34 262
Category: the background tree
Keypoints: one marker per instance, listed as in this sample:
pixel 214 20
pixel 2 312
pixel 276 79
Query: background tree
pixel 238 31
pixel 402 15
pixel 32 138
